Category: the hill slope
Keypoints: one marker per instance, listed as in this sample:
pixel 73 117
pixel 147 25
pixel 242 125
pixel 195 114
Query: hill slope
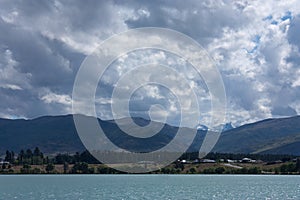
pixel 54 134
pixel 58 134
pixel 280 136
pixel 50 134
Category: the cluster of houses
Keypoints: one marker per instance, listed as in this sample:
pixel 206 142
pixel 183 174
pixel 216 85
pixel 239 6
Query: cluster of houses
pixel 244 160
pixel 4 163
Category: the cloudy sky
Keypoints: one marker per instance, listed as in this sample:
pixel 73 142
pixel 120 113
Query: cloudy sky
pixel 255 45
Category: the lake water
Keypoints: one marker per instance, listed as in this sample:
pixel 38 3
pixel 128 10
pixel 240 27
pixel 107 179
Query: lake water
pixel 149 187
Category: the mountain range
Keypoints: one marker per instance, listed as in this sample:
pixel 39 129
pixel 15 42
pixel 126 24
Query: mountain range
pixel 57 134
pixel 270 136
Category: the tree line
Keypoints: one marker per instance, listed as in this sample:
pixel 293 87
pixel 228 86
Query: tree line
pixel 28 158
pixel 36 157
pixel 238 156
pixel 34 162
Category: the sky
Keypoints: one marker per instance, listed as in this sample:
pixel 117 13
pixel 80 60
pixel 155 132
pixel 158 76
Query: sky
pixel 255 46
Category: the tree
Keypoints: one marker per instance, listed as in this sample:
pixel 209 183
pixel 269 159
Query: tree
pixel 179 165
pixel 28 157
pixel 298 165
pixel 25 169
pixel 88 158
pixel 286 168
pixel 46 160
pixel 193 170
pixel 105 170
pixel 3 166
pixel 21 156
pixel 254 170
pixel 38 153
pixel 62 158
pixel 77 157
pixel 12 157
pixel 28 153
pixel 292 167
pixel 8 156
pixel 38 156
pixel 80 167
pixel 66 167
pixel 49 167
pixel 219 170
pixel 208 171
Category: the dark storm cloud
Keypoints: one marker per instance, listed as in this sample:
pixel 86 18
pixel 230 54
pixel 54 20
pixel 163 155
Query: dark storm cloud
pixel 34 55
pixel 38 35
pixel 42 44
pixel 41 63
pixel 201 20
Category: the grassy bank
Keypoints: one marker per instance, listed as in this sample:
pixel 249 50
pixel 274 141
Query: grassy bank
pixel 35 162
pixel 175 168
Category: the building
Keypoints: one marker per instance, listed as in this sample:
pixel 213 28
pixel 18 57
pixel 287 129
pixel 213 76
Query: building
pixel 208 161
pixel 4 163
pixel 248 160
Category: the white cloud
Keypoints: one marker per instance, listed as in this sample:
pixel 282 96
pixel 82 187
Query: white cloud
pixel 10 86
pixel 10 77
pixel 255 45
pixel 253 60
pixel 56 98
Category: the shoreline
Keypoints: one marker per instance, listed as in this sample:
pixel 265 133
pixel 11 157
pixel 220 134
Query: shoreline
pixel 173 169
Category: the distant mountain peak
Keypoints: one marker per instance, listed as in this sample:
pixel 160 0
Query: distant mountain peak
pixel 228 126
pixel 201 127
pixel 54 134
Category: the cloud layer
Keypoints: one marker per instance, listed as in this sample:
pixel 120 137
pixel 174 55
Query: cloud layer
pixel 255 46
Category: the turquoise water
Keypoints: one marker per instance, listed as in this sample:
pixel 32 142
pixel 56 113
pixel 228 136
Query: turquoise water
pixel 149 187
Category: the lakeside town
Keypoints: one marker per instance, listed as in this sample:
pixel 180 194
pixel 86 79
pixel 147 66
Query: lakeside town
pixel 35 162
